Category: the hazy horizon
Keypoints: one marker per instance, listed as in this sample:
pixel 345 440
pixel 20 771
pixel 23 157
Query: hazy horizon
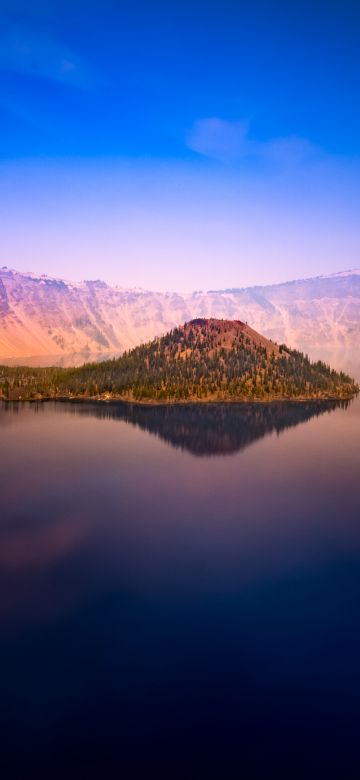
pixel 29 272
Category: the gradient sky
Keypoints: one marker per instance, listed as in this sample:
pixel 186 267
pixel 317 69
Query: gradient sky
pixel 180 145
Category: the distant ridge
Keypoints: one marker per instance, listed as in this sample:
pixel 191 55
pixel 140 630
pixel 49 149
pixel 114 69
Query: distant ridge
pixel 45 320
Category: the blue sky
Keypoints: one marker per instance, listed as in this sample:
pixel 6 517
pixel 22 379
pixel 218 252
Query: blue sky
pixel 180 144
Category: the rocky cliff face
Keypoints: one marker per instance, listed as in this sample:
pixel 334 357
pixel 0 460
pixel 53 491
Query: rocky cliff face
pixel 45 320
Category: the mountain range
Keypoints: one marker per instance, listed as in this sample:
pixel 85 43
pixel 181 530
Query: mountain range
pixel 44 320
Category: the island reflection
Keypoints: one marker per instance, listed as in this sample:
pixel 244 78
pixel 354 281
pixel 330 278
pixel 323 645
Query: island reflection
pixel 210 429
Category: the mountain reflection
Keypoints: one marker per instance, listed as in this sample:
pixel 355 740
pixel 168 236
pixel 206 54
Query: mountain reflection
pixel 211 429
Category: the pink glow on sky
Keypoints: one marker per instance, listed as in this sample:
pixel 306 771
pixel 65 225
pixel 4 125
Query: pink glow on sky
pixel 171 225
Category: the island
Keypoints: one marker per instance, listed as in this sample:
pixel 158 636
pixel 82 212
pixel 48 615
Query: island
pixel 204 360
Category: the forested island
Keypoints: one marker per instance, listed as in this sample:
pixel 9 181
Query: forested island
pixel 203 360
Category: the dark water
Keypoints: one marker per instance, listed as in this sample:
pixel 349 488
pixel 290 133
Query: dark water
pixel 180 591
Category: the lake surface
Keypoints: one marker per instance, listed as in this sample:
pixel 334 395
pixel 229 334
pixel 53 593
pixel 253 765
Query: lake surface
pixel 180 591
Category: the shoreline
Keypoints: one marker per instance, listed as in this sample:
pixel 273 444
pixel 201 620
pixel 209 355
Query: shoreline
pixel 179 402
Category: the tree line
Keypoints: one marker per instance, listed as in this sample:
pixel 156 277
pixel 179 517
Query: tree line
pixel 189 363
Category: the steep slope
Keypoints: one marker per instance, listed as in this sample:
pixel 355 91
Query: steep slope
pixel 44 320
pixel 203 360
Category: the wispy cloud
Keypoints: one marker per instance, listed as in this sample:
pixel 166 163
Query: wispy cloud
pixel 219 139
pixel 230 142
pixel 289 151
pixel 38 54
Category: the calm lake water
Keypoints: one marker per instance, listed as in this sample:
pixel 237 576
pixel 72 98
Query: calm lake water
pixel 180 591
